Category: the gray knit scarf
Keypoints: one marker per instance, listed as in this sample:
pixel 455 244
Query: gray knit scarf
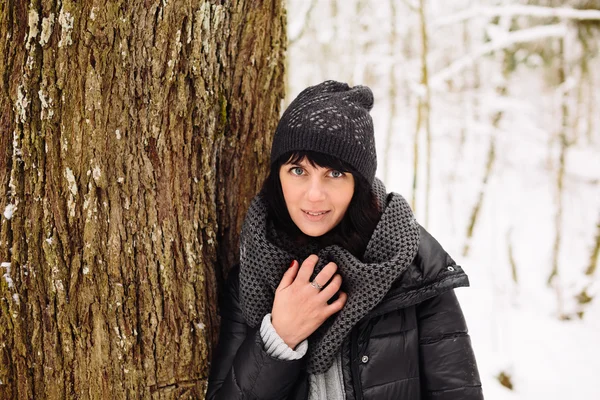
pixel 265 255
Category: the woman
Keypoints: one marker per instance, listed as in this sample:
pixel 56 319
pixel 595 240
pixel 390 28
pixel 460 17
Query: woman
pixel 339 294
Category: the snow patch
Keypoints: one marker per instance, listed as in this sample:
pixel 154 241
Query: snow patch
pixel 22 104
pixel 16 149
pixel 178 43
pixel 9 211
pixel 42 99
pixel 47 25
pixel 73 189
pixel 46 102
pixel 65 19
pixel 7 277
pixel 32 20
pixel 96 173
pixel 71 180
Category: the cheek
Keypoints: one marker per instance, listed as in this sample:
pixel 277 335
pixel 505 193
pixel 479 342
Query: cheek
pixel 284 184
pixel 345 196
pixel 289 191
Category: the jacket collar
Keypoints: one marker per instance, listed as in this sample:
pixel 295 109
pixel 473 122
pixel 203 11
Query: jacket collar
pixel 431 273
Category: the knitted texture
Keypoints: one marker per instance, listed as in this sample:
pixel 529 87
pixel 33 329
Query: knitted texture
pixel 274 344
pixel 265 254
pixel 330 118
pixel 330 385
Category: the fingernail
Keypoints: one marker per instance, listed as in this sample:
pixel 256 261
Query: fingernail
pixel 292 264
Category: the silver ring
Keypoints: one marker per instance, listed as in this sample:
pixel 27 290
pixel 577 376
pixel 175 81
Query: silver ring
pixel 316 285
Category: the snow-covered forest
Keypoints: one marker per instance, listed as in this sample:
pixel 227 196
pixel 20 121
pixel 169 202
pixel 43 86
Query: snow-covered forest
pixel 487 119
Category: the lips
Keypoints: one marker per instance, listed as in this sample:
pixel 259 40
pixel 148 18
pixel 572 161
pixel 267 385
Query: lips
pixel 315 213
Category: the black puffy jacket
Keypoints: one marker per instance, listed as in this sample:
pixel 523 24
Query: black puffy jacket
pixel 413 345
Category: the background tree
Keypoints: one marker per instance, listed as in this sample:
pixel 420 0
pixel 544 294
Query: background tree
pixel 131 137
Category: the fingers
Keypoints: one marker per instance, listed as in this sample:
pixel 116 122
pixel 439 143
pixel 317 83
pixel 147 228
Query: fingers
pixel 289 276
pixel 331 289
pixel 338 304
pixel 326 273
pixel 307 268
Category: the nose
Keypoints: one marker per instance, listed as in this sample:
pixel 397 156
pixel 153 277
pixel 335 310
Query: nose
pixel 316 191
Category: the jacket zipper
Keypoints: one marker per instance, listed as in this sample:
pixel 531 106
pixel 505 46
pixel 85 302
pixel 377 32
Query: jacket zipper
pixel 354 364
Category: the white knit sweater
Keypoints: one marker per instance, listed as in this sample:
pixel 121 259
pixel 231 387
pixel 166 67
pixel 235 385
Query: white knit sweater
pixel 326 386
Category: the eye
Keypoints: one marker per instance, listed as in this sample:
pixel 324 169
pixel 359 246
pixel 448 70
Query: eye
pixel 296 171
pixel 336 174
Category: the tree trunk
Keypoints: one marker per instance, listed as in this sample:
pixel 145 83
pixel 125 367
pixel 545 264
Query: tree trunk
pixel 564 142
pixel 134 134
pixel 425 103
pixel 502 92
pixel 391 93
pixel 591 269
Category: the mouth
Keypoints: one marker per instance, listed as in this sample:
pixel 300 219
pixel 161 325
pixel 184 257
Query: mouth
pixel 315 213
pixel 315 216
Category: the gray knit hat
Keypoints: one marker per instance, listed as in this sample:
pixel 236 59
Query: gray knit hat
pixel 334 119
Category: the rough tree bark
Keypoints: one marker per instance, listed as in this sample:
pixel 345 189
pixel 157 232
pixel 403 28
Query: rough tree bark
pixel 133 135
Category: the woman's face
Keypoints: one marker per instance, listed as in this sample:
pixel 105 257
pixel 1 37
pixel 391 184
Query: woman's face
pixel 316 198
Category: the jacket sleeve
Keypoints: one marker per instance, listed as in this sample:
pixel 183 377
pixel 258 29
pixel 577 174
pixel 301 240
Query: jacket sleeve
pixel 447 361
pixel 240 367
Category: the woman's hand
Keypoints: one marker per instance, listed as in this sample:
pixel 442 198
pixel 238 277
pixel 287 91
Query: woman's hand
pixel 299 308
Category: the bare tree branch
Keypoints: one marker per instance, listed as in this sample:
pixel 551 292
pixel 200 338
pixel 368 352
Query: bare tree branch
pixel 293 40
pixel 520 36
pixel 517 10
pixel 411 6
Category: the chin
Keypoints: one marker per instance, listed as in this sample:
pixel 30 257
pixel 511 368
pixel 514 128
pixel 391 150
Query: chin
pixel 314 232
pixel 315 228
